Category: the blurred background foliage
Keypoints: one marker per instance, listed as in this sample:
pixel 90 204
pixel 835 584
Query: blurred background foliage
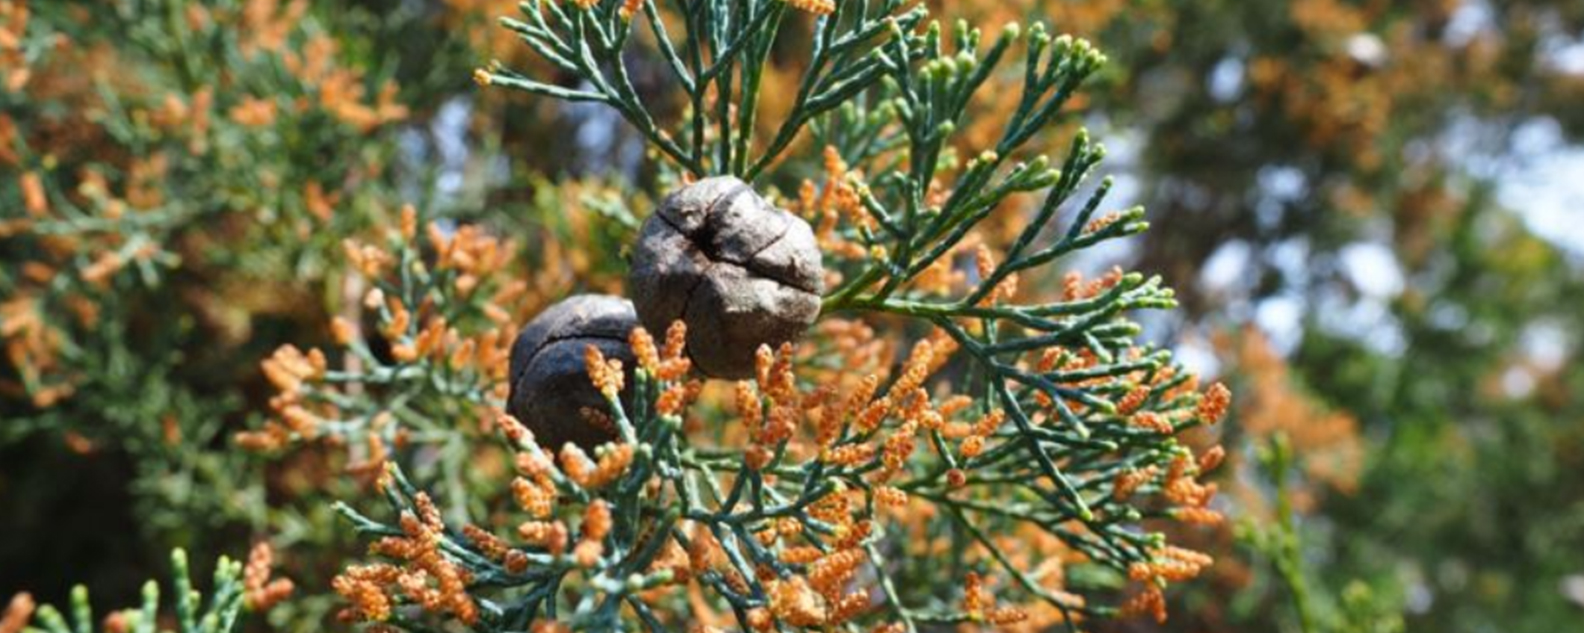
pixel 1371 211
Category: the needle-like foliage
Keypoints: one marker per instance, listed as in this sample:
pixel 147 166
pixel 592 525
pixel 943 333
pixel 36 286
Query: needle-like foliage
pixel 838 490
pixel 237 589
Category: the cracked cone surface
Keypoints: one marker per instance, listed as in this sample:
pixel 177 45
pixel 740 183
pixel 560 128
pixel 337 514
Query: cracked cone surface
pixel 741 272
pixel 549 380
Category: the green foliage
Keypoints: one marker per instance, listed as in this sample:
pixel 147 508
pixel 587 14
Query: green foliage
pixel 178 245
pixel 1463 502
pixel 1055 367
pixel 221 613
pixel 178 179
pixel 721 57
pixel 1358 607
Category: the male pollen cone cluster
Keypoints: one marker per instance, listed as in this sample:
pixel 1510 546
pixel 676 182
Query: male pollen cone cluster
pixel 739 271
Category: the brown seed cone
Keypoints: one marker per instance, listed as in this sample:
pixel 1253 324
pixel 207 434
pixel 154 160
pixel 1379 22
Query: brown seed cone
pixel 550 384
pixel 739 271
